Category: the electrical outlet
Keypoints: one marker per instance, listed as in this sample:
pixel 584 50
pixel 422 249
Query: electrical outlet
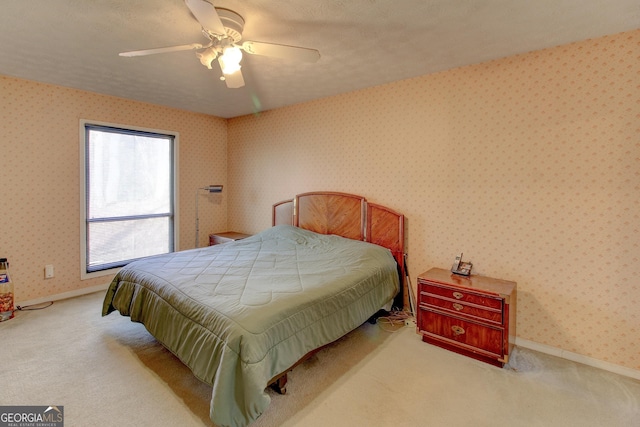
pixel 410 322
pixel 48 271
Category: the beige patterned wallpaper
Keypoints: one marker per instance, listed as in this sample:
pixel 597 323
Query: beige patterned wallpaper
pixel 40 173
pixel 530 165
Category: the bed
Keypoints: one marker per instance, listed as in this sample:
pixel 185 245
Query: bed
pixel 240 315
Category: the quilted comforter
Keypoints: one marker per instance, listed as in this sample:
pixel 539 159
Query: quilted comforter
pixel 240 313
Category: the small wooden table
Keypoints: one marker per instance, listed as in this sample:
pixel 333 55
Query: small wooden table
pixel 227 236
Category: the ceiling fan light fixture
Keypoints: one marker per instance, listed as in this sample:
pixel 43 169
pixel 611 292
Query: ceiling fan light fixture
pixel 229 68
pixel 230 59
pixel 207 56
pixel 232 54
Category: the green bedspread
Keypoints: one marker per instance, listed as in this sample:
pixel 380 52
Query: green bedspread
pixel 240 313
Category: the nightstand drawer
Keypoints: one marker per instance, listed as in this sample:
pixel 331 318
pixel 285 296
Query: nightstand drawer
pixel 480 313
pixel 457 294
pixel 473 336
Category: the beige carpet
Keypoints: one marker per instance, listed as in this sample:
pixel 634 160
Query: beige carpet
pixel 111 372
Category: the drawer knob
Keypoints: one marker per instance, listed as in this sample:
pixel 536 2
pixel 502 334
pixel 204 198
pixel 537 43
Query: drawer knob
pixel 457 306
pixel 457 295
pixel 457 330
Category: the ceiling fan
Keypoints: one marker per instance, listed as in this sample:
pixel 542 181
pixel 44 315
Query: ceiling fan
pixel 223 28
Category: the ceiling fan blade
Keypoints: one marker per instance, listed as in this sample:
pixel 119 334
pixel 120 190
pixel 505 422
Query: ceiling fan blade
pixel 233 80
pixel 206 15
pixel 281 51
pixel 162 50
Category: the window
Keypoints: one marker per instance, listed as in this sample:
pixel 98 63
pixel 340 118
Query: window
pixel 128 195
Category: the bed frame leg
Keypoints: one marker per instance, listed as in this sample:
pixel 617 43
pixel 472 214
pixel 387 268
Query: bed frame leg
pixel 280 385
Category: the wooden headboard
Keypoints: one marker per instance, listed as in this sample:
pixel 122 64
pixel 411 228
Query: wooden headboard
pixel 349 216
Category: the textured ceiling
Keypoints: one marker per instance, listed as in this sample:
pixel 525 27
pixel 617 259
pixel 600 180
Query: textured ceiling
pixel 363 43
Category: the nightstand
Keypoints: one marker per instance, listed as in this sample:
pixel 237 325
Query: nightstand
pixel 227 236
pixel 470 315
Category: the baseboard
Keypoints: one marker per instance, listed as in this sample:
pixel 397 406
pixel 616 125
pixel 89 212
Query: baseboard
pixel 579 358
pixel 64 295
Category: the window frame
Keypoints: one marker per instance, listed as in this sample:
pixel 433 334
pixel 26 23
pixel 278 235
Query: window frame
pixel 84 123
